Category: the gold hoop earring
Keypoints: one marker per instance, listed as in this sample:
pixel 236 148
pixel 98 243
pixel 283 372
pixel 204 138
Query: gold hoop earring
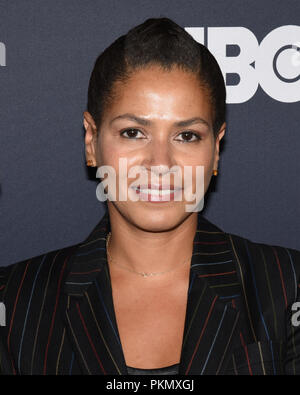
pixel 215 172
pixel 89 163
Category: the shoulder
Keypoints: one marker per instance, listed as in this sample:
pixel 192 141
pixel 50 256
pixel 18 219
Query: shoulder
pixel 272 268
pixel 45 271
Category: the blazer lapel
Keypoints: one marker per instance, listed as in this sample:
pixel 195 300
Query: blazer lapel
pixel 211 322
pixel 90 315
pixel 212 319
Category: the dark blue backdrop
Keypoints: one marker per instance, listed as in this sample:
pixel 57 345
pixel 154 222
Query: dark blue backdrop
pixel 48 200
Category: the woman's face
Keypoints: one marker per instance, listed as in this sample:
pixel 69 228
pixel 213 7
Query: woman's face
pixel 157 120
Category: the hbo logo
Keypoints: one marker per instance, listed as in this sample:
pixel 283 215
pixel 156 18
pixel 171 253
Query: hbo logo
pixel 274 64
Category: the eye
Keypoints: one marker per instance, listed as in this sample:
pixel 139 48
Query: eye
pixel 188 137
pixel 132 133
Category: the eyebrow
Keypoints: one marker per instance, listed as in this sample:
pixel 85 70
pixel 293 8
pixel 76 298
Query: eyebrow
pixel 146 122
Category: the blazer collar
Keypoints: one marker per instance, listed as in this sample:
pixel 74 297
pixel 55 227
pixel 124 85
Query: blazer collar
pixel 211 323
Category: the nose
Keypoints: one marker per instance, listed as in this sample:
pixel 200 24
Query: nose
pixel 158 157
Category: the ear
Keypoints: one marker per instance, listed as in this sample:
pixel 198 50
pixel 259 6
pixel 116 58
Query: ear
pixel 90 138
pixel 220 135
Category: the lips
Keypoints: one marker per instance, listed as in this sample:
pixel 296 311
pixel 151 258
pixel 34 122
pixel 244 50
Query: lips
pixel 156 193
pixel 156 187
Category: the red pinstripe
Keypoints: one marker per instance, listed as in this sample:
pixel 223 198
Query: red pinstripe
pixel 53 315
pixel 13 314
pixel 216 274
pixel 281 277
pixel 90 340
pixel 246 352
pixel 201 334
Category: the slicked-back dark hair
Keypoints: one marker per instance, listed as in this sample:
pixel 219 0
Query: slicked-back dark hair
pixel 160 42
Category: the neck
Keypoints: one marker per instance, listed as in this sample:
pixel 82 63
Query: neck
pixel 144 251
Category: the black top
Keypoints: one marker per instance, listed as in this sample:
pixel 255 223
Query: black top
pixel 168 370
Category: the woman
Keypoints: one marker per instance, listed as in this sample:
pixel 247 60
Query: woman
pixel 156 288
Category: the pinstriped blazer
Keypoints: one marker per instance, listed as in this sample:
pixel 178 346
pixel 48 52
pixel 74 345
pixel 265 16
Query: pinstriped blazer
pixel 60 316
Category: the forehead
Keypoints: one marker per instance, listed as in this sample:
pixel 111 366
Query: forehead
pixel 164 93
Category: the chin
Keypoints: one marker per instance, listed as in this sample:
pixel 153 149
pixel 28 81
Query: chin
pixel 157 219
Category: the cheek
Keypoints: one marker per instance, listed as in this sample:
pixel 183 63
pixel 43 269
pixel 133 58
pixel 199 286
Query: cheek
pixel 201 156
pixel 118 158
pixel 204 159
pixel 107 152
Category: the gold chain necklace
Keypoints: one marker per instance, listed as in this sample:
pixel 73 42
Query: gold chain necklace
pixel 143 274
